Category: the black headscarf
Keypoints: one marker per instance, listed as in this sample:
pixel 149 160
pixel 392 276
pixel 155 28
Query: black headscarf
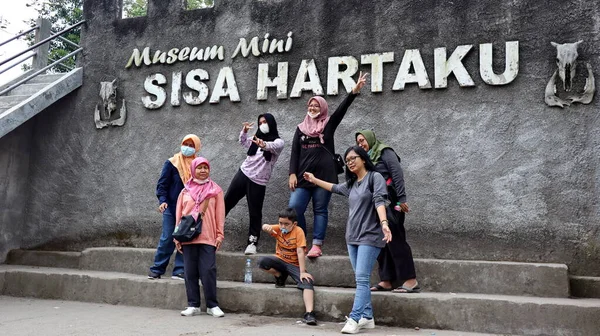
pixel 271 136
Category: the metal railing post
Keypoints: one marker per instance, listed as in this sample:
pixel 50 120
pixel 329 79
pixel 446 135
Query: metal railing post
pixel 40 60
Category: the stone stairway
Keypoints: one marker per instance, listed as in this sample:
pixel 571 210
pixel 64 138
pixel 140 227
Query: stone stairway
pixel 26 100
pixel 476 296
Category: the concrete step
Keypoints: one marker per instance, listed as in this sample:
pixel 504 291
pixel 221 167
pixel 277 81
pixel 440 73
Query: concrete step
pixel 456 276
pixel 9 101
pixel 463 312
pixel 45 78
pixel 27 89
pixel 585 287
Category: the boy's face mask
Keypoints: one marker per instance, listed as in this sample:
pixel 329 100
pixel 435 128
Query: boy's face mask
pixel 285 229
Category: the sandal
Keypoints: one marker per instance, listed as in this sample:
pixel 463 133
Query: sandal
pixel 380 288
pixel 315 251
pixel 404 289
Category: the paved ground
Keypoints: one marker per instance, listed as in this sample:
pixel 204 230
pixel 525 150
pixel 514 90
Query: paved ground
pixel 24 316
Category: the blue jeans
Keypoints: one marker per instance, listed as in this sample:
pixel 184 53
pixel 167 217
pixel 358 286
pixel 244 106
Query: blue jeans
pixel 299 201
pixel 165 248
pixel 363 259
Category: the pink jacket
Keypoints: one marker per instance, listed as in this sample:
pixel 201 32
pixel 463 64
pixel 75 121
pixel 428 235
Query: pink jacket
pixel 213 221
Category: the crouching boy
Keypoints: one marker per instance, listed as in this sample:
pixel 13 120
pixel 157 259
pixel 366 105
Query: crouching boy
pixel 289 259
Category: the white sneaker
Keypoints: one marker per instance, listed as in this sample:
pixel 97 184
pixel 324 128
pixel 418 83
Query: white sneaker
pixel 351 327
pixel 365 323
pixel 216 312
pixel 250 249
pixel 191 311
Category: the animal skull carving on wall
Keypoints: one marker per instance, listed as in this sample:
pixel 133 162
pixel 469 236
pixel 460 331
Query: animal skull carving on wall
pixel 104 111
pixel 566 62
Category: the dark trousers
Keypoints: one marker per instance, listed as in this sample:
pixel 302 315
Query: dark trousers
pixel 200 262
pixel 395 260
pixel 242 186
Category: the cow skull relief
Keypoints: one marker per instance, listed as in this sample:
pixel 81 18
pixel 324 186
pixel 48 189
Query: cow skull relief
pixel 104 110
pixel 566 62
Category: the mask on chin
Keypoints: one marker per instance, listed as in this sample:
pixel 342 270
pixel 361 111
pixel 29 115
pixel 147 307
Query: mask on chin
pixel 200 181
pixel 313 115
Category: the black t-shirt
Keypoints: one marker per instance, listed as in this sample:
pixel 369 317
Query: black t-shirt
pixel 308 154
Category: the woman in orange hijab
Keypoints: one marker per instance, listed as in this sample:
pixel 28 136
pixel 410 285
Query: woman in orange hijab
pixel 175 172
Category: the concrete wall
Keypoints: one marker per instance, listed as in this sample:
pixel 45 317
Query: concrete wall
pixel 491 171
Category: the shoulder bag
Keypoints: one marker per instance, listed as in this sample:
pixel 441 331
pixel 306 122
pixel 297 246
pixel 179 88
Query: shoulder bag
pixel 189 227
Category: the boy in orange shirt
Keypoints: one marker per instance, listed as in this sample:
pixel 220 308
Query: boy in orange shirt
pixel 289 259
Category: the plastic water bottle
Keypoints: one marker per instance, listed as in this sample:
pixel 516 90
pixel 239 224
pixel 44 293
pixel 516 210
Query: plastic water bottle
pixel 248 272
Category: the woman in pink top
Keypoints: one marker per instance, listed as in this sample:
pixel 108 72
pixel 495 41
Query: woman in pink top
pixel 199 255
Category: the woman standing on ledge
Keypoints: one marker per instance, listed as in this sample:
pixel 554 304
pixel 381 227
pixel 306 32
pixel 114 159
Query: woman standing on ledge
pixel 367 229
pixel 312 150
pixel 175 172
pixel 395 261
pixel 254 174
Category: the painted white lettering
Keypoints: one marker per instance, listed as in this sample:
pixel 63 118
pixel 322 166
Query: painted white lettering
pixel 213 52
pixel 334 75
pixel 176 88
pixel 511 65
pixel 264 82
pixel 288 42
pixel 443 67
pixel 193 81
pixel 376 61
pixel 412 57
pixel 244 48
pixel 184 54
pixel 137 58
pixel 307 67
pixel 152 86
pixel 225 77
pixel 172 56
pixel 159 57
pixel 265 45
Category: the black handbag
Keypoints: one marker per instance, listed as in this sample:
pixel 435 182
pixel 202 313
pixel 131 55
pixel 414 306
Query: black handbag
pixel 190 227
pixel 337 161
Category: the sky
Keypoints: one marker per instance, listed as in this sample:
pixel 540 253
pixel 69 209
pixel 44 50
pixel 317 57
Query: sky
pixel 13 13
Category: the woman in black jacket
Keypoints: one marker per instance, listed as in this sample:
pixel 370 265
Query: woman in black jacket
pixel 395 260
pixel 312 151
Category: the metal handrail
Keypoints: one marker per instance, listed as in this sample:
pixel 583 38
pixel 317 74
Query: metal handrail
pixel 71 43
pixel 21 34
pixel 21 60
pixel 39 71
pixel 43 41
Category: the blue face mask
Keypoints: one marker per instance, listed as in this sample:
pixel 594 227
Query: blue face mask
pixel 187 151
pixel 370 151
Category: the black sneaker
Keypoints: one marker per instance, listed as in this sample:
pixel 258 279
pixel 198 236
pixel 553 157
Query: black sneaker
pixel 309 318
pixel 280 282
pixel 153 276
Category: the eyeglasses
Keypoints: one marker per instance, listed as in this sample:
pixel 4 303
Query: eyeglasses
pixel 314 106
pixel 351 159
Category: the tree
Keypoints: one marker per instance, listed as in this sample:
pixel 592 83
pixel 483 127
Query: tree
pixel 61 14
pixel 135 8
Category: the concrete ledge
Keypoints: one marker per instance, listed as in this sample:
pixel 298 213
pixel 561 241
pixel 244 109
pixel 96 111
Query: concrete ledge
pixel 456 276
pixel 27 108
pixel 464 312
pixel 44 258
pixel 585 287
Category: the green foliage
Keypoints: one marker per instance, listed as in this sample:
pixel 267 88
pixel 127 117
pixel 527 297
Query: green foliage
pixel 61 14
pixel 196 4
pixel 134 8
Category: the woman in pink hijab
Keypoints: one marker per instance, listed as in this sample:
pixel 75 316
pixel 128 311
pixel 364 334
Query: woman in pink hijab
pixel 312 151
pixel 199 255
